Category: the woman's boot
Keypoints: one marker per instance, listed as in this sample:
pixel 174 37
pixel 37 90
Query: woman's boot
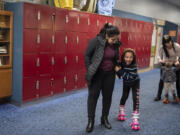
pixel 90 125
pixel 105 122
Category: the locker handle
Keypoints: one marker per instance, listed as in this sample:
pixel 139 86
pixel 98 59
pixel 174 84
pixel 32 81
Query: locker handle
pixel 53 17
pixel 38 62
pixel 65 80
pixel 53 39
pixel 38 39
pixel 52 82
pixel 77 59
pixel 37 96
pixel 39 15
pixel 97 23
pixel 78 21
pixel 65 60
pixel 77 39
pixel 37 85
pixel 67 19
pixel 66 39
pixel 88 21
pixel 52 61
pixel 76 78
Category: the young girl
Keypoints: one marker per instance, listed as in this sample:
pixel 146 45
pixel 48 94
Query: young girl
pixel 128 71
pixel 169 77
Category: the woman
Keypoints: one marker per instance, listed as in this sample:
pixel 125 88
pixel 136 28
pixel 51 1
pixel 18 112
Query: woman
pixel 101 56
pixel 169 51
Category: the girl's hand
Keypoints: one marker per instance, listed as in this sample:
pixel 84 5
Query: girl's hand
pixel 117 68
pixel 177 63
pixel 161 61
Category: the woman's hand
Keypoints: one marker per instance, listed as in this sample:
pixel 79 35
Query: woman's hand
pixel 117 68
pixel 161 61
pixel 177 63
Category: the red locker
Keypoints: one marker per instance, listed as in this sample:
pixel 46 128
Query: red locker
pixel 46 17
pixel 81 83
pixel 128 23
pixel 30 88
pixel 73 21
pixel 60 64
pixel 102 21
pixel 83 22
pixel 72 43
pixel 70 80
pixel 45 85
pixel 124 25
pixel 82 40
pixel 59 83
pixel 30 47
pixel 45 42
pixel 61 19
pixel 30 65
pixel 61 41
pixel 93 23
pixel 81 64
pixel 46 61
pixel 30 16
pixel 124 38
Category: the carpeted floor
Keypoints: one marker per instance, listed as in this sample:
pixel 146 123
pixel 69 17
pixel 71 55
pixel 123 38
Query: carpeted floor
pixel 67 115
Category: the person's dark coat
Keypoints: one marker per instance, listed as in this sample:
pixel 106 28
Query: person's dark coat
pixel 94 55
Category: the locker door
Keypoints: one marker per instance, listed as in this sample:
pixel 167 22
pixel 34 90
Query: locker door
pixel 45 88
pixel 74 21
pixel 83 22
pixel 83 42
pixel 81 64
pixel 61 19
pixel 59 73
pixel 60 63
pixel 30 65
pixel 45 64
pixel 46 16
pixel 70 72
pixel 30 88
pixel 30 46
pixel 45 40
pixel 81 80
pixel 61 41
pixel 59 83
pixel 73 42
pixel 30 16
pixel 93 23
pixel 124 25
pixel 102 20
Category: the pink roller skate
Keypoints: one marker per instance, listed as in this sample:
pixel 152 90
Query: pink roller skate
pixel 135 122
pixel 121 115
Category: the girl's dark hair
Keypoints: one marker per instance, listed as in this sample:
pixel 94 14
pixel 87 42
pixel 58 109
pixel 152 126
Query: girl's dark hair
pixel 124 53
pixel 167 39
pixel 110 30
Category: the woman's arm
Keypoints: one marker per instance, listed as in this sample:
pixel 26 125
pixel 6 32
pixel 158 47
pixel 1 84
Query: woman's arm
pixel 89 52
pixel 160 56
pixel 119 71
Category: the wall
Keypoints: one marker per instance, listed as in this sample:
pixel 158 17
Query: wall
pixel 160 9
